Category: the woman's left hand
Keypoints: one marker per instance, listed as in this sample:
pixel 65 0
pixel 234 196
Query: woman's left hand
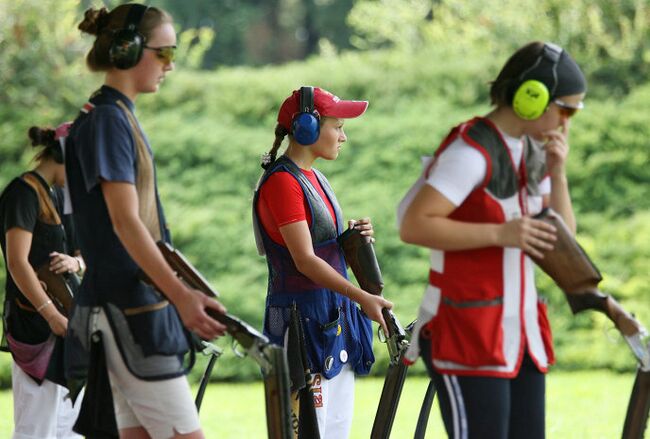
pixel 557 149
pixel 62 263
pixel 364 225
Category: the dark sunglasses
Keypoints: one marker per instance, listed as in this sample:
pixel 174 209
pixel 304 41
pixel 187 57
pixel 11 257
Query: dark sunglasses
pixel 166 54
pixel 567 110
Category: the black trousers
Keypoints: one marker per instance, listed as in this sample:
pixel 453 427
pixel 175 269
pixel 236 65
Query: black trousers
pixel 491 408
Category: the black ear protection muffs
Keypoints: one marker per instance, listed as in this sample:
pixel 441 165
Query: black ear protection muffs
pixel 531 98
pixel 128 44
pixel 305 126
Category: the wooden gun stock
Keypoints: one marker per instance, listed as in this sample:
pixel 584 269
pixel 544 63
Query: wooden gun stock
pixel 277 395
pixel 58 288
pixel 572 270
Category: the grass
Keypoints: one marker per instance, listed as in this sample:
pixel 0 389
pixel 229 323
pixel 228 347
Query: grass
pixel 585 404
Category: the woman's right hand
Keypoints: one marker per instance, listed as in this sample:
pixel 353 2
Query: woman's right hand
pixel 531 235
pixel 57 321
pixel 195 318
pixel 372 306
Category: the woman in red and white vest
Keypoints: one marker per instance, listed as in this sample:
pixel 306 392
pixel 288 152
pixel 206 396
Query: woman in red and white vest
pixel 482 330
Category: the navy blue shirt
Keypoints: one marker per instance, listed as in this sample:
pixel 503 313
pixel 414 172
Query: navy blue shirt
pixel 101 147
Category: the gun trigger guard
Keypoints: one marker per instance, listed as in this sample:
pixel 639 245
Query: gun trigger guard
pixel 381 336
pixel 236 351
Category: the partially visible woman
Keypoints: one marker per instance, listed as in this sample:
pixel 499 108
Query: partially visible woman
pixel 35 232
pixel 482 329
pixel 298 219
pixel 114 196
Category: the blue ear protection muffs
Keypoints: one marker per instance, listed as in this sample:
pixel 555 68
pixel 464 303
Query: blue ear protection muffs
pixel 305 126
pixel 532 97
pixel 128 44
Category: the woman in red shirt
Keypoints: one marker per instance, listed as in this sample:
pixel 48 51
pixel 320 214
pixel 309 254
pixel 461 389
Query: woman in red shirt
pixel 297 220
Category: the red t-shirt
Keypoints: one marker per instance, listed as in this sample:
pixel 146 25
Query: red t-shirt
pixel 282 202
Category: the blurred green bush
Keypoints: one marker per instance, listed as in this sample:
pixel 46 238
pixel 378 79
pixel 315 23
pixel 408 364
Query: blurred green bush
pixel 208 130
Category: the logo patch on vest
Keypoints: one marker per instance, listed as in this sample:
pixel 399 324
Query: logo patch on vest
pixel 329 362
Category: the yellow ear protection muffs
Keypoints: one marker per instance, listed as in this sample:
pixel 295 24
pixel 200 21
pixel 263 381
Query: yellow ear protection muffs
pixel 128 44
pixel 532 97
pixel 305 126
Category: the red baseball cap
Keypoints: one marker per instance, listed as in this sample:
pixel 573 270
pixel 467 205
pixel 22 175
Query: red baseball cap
pixel 325 103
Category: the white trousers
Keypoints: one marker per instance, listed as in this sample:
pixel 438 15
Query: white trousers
pixel 42 412
pixel 334 402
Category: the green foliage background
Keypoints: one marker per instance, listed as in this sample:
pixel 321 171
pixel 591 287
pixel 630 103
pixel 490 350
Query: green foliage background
pixel 424 69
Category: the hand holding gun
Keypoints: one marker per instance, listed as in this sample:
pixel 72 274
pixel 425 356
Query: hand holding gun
pixel 271 358
pixel 59 287
pixel 570 267
pixel 360 255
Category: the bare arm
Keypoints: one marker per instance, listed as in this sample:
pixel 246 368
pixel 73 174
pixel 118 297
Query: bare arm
pixel 427 223
pixel 557 151
pixel 122 202
pixel 298 240
pixel 19 241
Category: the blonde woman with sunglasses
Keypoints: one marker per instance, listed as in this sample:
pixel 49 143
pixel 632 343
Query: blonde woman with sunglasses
pixel 114 197
pixel 483 332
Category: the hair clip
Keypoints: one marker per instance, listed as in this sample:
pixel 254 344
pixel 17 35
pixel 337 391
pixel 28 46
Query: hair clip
pixel 266 159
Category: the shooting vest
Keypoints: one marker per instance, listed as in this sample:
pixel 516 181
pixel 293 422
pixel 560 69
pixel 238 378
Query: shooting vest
pixel 336 332
pixel 481 305
pixel 149 331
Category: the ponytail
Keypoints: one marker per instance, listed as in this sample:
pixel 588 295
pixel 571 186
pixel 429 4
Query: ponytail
pixel 269 157
pixel 50 139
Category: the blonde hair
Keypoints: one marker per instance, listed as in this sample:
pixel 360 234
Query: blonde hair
pixel 103 24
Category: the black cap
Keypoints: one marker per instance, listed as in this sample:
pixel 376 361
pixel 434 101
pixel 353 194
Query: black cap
pixel 558 71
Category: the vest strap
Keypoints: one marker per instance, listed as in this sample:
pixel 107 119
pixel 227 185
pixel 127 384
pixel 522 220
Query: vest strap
pixel 145 184
pixel 47 211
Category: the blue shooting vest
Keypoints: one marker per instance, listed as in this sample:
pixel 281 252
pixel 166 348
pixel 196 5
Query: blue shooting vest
pixel 336 331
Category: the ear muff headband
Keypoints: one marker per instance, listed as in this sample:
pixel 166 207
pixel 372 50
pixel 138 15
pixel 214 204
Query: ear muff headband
pixel 305 126
pixel 532 96
pixel 128 43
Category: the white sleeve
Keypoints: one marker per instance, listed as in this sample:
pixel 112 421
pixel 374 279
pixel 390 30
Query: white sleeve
pixel 545 186
pixel 458 170
pixel 412 192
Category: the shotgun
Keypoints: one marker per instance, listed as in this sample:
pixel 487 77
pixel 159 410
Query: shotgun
pixel 304 419
pixel 572 270
pixel 360 255
pixel 271 358
pixel 60 288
